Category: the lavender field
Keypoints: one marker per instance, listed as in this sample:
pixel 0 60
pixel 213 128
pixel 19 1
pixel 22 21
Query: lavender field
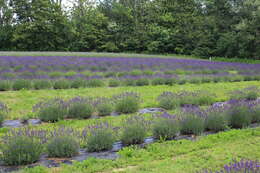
pixel 74 72
pixel 128 114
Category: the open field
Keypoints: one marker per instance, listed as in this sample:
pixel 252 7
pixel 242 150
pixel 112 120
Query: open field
pixel 196 97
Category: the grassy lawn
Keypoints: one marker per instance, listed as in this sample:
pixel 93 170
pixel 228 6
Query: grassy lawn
pixel 21 102
pixel 207 152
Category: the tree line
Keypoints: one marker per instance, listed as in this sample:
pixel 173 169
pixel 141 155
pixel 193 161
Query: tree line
pixel 205 28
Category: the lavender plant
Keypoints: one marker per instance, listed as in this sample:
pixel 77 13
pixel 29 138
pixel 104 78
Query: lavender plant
pixel 127 102
pixel 242 166
pixel 51 110
pixel 250 93
pixel 3 112
pixel 80 108
pixel 21 150
pixel 134 131
pixel 165 127
pixel 62 146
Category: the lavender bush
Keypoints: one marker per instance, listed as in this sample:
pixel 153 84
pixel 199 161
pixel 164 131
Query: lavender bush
pixel 242 166
pixel 127 102
pixel 21 150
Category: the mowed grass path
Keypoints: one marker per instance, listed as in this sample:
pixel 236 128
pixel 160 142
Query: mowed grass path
pixel 21 102
pixel 207 152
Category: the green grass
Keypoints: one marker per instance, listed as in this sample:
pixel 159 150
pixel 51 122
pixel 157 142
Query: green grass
pixel 207 152
pixel 21 102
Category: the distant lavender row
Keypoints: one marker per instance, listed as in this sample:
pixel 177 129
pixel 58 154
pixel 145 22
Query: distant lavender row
pixel 36 67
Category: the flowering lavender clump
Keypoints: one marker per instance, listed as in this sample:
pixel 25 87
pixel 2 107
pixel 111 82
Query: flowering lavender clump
pixel 51 110
pixel 168 100
pixel 3 112
pixel 250 93
pixel 165 127
pixel 104 107
pixel 80 107
pixel 134 131
pixel 239 114
pixel 243 166
pixel 127 102
pixel 216 119
pixel 21 150
pixel 100 137
pixel 192 120
pixel 62 146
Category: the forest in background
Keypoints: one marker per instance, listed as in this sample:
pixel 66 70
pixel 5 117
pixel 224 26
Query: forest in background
pixel 205 28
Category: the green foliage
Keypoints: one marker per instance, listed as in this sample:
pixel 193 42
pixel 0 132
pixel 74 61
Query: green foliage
pixel 216 121
pixel 133 133
pixel 142 82
pixel 61 84
pixel 159 81
pixel 20 84
pixel 62 146
pixel 127 104
pixel 42 84
pixel 51 110
pixel 192 124
pixel 113 83
pixel 94 83
pixel 100 140
pixel 5 85
pixel 21 150
pixel 104 109
pixel 165 129
pixel 239 116
pixel 78 83
pixel 80 110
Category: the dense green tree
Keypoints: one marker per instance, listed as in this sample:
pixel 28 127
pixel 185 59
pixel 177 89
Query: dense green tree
pixel 205 28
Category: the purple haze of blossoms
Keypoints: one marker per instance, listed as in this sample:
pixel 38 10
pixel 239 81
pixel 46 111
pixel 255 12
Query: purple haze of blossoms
pixel 36 67
pixel 243 166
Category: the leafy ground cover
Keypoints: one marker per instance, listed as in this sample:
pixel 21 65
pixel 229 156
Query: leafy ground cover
pixel 207 152
pixel 22 102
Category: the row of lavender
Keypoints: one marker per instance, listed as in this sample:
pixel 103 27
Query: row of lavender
pixel 53 110
pixel 20 84
pixel 64 64
pixel 138 70
pixel 25 145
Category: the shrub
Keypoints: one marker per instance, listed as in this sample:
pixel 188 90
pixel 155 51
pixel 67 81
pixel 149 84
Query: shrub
pixel 51 110
pixel 182 81
pixel 21 84
pixel 110 74
pixel 129 82
pixel 165 128
pixel 256 114
pixel 80 109
pixel 167 101
pixel 42 84
pixel 127 102
pixel 250 93
pixel 170 81
pixel 136 73
pixel 61 84
pixel 95 83
pixel 158 81
pixel 195 80
pixel 148 72
pixel 192 124
pixel 3 112
pixel 21 150
pixel 239 116
pixel 5 85
pixel 113 83
pixel 134 132
pixel 216 121
pixel 104 109
pixel 142 82
pixel 62 146
pixel 78 83
pixel 100 140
